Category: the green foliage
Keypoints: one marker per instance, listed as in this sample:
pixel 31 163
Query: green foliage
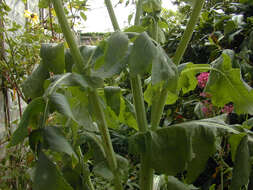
pixel 83 104
pixel 152 6
pixel 241 171
pixel 187 80
pixel 53 57
pixel 33 109
pixel 142 54
pixel 116 49
pixel 56 141
pixel 33 85
pixel 112 95
pixel 226 85
pixel 184 141
pixel 47 176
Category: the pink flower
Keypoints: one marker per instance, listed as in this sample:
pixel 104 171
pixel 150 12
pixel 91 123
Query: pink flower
pixel 202 79
pixel 207 108
pixel 227 109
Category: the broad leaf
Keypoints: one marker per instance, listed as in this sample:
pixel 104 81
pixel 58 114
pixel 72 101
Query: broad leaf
pixel 33 109
pixel 33 85
pixel 151 94
pixel 185 142
pixel 112 96
pixel 89 54
pixel 175 184
pixel 61 104
pixel 115 57
pixel 127 114
pixel 226 85
pixel 163 69
pixel 47 176
pixel 203 143
pixel 53 57
pixel 187 79
pixel 234 141
pixel 69 62
pixel 241 171
pixel 135 28
pixel 73 79
pixel 160 145
pixel 56 141
pixel 142 55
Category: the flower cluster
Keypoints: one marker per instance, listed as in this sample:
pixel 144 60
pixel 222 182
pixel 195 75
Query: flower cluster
pixel 207 108
pixel 227 109
pixel 202 79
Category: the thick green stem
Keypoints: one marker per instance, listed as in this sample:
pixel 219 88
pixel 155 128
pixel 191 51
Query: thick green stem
pixel 99 112
pixel 110 155
pixel 188 32
pixel 112 15
pixel 138 12
pixel 146 173
pixel 139 103
pixel 177 58
pixel 68 34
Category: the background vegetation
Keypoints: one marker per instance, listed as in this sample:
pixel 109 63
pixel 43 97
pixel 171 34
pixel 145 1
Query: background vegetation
pixel 60 120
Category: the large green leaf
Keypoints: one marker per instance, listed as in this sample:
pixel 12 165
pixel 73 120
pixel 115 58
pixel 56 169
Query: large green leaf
pixel 142 54
pixel 190 143
pixel 163 69
pixel 47 176
pixel 61 104
pixel 241 171
pixel 168 149
pixel 89 54
pixel 53 57
pixel 234 141
pixel 151 94
pixel 69 61
pixel 112 96
pixel 115 55
pixel 33 85
pixel 170 182
pixel 164 74
pixel 203 143
pixel 34 108
pixel 226 85
pixel 56 141
pixel 187 79
pixel 73 79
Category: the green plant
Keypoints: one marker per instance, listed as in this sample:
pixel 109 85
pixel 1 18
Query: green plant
pixel 75 99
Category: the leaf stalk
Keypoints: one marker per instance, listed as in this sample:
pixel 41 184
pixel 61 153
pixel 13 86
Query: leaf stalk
pixel 176 59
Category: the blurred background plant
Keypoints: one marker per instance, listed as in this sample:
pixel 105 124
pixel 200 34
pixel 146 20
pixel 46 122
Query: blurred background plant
pixel 223 25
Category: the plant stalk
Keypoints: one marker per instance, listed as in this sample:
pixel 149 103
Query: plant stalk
pixel 68 34
pixel 99 112
pixel 112 15
pixel 107 143
pixel 146 173
pixel 188 31
pixel 176 59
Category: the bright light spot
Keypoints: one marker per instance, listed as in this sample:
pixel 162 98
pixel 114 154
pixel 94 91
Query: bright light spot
pixel 98 19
